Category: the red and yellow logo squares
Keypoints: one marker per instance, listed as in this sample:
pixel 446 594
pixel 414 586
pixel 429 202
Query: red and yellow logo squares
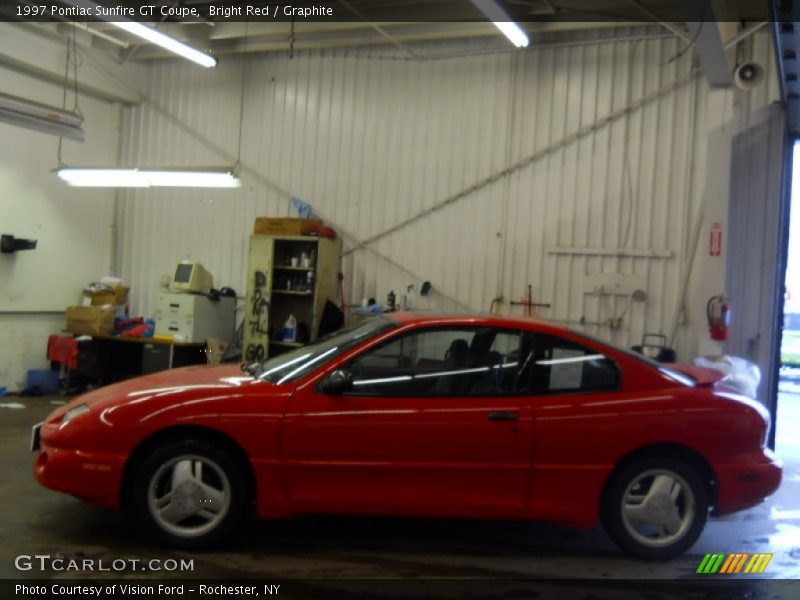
pixel 737 562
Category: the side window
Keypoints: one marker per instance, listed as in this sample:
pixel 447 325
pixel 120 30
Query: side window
pixel 417 364
pixel 560 366
pixel 495 358
pixel 443 362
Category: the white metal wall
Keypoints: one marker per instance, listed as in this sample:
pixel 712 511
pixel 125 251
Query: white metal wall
pixel 73 227
pixel 754 285
pixel 603 142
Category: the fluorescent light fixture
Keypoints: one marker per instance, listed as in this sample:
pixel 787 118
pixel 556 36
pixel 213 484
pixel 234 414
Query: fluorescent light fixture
pixel 144 178
pixel 503 22
pixel 40 117
pixel 150 34
pixel 168 43
pixel 513 32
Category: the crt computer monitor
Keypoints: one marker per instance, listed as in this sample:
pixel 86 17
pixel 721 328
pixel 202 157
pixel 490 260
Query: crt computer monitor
pixel 191 277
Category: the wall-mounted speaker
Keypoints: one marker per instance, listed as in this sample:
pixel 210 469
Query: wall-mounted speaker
pixel 748 75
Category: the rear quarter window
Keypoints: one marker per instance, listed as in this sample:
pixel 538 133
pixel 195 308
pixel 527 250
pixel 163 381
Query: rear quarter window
pixel 662 368
pixel 561 366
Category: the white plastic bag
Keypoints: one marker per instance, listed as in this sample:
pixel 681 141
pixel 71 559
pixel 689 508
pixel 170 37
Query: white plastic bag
pixel 740 374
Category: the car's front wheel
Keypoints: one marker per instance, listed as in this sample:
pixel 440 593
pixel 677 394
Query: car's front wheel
pixel 655 508
pixel 190 494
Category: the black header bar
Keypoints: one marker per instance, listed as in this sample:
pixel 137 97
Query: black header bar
pixel 383 11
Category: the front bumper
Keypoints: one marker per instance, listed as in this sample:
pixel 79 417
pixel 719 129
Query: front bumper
pixel 747 482
pixel 91 476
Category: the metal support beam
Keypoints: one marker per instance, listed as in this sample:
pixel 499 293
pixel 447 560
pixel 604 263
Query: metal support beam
pixel 711 52
pixel 258 175
pixel 668 26
pixel 744 34
pixel 531 158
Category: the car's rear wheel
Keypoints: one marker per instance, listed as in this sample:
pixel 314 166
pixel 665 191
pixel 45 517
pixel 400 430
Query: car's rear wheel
pixel 655 508
pixel 190 494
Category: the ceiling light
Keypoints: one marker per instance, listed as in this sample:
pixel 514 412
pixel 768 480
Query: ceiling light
pixel 40 117
pixel 503 22
pixel 150 34
pixel 166 42
pixel 143 178
pixel 513 32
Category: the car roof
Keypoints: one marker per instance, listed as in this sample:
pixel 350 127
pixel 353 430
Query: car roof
pixel 474 319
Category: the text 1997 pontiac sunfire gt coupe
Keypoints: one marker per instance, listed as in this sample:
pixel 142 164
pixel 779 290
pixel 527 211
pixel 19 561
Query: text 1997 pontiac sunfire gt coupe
pixel 453 416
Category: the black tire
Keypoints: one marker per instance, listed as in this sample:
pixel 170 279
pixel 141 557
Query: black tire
pixel 221 490
pixel 655 541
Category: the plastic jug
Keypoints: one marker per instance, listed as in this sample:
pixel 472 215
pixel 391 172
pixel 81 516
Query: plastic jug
pixel 290 329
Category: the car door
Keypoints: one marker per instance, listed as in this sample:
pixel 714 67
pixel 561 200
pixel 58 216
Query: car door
pixel 432 425
pixel 576 407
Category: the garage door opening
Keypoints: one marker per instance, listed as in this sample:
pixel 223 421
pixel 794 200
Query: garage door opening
pixel 787 439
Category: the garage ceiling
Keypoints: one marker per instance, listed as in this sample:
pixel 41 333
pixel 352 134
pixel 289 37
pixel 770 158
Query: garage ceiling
pixel 397 23
pixel 395 28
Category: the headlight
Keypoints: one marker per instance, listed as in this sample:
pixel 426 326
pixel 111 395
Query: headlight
pixel 74 412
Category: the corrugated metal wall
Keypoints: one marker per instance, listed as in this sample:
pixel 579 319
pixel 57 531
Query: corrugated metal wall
pixel 599 145
pixel 753 284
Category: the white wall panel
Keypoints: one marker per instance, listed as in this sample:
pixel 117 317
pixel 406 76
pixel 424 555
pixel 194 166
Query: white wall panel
pixel 370 142
pixel 73 226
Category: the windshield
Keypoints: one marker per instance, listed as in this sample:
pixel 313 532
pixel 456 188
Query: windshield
pixel 662 367
pixel 293 365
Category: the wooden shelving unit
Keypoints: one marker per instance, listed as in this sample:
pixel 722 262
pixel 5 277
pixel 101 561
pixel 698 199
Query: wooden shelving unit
pixel 289 344
pixel 292 293
pixel 276 289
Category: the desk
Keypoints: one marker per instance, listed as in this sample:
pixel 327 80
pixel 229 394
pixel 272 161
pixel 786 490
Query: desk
pixel 107 359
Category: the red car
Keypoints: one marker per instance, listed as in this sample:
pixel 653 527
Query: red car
pixel 456 416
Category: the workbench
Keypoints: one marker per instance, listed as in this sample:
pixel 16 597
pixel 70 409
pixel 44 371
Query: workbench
pixel 106 359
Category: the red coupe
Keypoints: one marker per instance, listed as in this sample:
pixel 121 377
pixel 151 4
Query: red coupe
pixel 456 416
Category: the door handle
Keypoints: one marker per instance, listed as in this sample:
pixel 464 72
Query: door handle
pixel 502 416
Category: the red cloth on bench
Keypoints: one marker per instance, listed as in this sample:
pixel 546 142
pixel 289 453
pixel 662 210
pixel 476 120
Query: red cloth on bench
pixel 64 350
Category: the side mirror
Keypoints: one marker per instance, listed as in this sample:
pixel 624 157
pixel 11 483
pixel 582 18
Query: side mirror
pixel 338 382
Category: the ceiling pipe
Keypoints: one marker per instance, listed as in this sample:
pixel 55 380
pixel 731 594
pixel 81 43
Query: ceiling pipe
pixel 668 26
pixel 378 28
pixel 744 34
pixel 280 46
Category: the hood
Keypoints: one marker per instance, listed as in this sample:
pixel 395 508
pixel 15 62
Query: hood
pixel 195 380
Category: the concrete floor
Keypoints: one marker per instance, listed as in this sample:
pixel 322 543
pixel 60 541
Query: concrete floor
pixel 38 521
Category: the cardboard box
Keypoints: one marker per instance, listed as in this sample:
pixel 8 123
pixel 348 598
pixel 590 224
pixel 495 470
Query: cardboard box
pixel 90 320
pixel 270 226
pixel 117 296
pixel 215 348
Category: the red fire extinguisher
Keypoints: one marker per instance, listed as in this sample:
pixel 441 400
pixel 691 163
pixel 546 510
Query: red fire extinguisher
pixel 719 317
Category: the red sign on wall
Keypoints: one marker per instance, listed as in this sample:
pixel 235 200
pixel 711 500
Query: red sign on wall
pixel 715 240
